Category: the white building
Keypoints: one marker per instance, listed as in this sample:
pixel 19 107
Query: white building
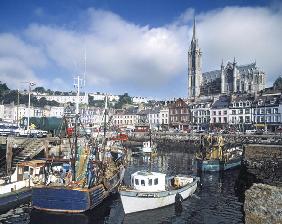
pixel 83 99
pixel 139 99
pixel 240 112
pixel 219 113
pixel 101 96
pixel 153 117
pixel 164 117
pixel 200 114
pixel 56 112
pixel 126 118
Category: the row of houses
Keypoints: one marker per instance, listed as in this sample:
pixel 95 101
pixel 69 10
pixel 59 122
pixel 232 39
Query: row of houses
pixel 239 112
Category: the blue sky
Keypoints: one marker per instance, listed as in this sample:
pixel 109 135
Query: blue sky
pixel 139 47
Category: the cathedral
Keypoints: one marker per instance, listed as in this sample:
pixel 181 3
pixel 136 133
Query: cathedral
pixel 229 79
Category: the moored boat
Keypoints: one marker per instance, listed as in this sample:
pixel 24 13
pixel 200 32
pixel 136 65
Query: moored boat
pixel 215 156
pixel 151 190
pixel 17 188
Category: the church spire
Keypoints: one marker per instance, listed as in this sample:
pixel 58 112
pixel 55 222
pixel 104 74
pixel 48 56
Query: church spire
pixel 194 29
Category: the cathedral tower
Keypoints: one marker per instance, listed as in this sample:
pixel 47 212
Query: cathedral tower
pixel 194 66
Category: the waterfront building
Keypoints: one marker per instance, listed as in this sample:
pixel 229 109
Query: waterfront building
pixel 153 117
pixel 125 118
pixel 219 112
pixel 179 116
pixel 229 79
pixel 14 113
pixel 267 112
pixel 164 117
pixel 200 114
pixel 240 112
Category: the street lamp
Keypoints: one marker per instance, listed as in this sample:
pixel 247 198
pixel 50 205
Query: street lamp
pixel 30 84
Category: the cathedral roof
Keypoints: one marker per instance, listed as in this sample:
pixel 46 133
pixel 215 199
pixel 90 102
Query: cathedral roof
pixel 243 68
pixel 211 75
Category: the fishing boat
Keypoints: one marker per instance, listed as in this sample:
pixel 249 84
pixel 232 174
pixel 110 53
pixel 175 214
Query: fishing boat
pixel 152 190
pixel 149 146
pixel 214 157
pixel 77 184
pixel 16 189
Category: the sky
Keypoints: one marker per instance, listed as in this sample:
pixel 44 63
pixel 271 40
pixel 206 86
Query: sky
pixel 133 46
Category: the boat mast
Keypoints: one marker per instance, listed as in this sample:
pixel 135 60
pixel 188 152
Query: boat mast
pixel 105 115
pixel 77 85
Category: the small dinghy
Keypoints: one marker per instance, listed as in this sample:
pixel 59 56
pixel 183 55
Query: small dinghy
pixel 151 190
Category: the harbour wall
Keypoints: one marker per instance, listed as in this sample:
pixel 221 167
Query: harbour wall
pixel 260 179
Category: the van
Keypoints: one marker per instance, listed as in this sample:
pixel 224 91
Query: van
pixel 251 131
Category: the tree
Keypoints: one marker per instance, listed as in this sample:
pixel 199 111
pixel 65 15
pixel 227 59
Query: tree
pixel 39 89
pixel 123 100
pixel 3 88
pixel 277 85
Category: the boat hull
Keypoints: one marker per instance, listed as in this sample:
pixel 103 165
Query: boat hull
pixel 74 200
pixel 15 198
pixel 134 201
pixel 216 165
pixel 58 199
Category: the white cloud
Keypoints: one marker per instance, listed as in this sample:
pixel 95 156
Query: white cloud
pixel 122 53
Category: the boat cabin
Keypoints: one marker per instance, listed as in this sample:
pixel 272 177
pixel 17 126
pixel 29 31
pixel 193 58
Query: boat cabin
pixel 148 181
pixel 147 144
pixel 28 169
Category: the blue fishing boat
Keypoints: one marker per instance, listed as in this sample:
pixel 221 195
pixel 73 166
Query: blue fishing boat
pixel 94 171
pixel 213 157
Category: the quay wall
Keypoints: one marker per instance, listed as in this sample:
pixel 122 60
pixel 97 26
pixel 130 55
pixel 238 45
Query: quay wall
pixel 260 179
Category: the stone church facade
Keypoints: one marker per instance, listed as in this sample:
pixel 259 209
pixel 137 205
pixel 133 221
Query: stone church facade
pixel 229 79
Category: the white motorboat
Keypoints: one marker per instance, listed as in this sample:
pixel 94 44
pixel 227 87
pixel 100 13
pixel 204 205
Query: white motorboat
pixel 151 190
pixel 148 147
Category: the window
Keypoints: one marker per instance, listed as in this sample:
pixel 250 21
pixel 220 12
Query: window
pixel 241 111
pixel 219 112
pixel 225 112
pixel 268 111
pixel 143 182
pixel 247 119
pixel 233 111
pixel 136 182
pixel 225 120
pixel 275 110
pixel 150 182
pixel 214 112
pixel 247 111
pixel 214 120
pixel 156 181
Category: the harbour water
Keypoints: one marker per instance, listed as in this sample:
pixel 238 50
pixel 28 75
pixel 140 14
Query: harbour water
pixel 215 201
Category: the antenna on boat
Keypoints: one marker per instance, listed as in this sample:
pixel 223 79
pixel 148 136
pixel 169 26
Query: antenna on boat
pixel 78 83
pixel 106 113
